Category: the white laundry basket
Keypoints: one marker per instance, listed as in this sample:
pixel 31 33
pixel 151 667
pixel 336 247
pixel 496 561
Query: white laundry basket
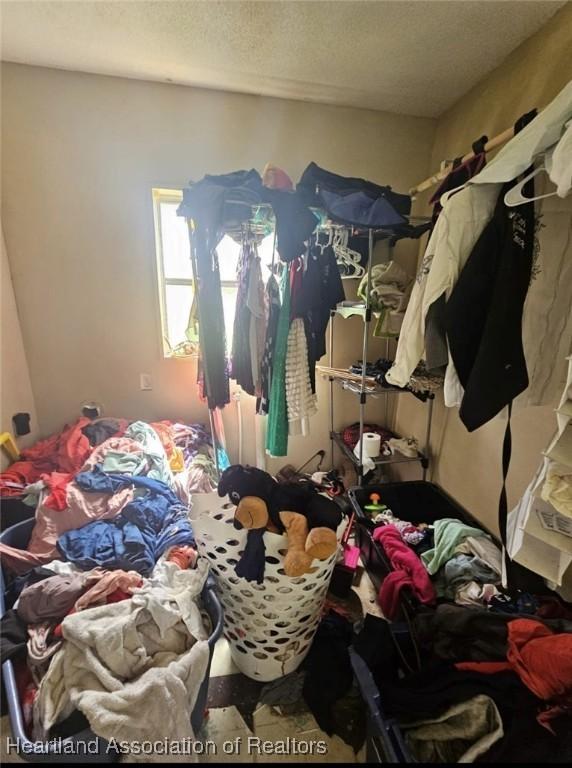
pixel 269 626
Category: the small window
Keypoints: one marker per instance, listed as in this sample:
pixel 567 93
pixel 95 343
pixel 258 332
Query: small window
pixel 174 269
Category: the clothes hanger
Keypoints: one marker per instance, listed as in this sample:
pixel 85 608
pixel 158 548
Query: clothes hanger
pixel 515 197
pixel 273 254
pixel 348 259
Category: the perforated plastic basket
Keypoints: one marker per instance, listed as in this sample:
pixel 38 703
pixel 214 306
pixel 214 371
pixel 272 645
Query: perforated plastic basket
pixel 269 626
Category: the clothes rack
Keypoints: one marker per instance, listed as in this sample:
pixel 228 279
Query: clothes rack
pixel 335 437
pixel 387 235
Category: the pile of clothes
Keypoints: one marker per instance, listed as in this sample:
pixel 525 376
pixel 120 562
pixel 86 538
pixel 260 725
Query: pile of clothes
pixel 105 596
pixel 78 637
pixel 445 561
pixel 110 494
pixel 491 688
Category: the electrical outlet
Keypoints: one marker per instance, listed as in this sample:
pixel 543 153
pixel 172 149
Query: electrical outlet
pixel 145 381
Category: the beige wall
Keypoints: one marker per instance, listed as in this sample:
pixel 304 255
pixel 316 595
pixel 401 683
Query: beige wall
pixel 16 394
pixel 80 156
pixel 468 465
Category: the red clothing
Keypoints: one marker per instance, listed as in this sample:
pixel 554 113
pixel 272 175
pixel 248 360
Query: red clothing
pixel 64 452
pixel 19 475
pixel 408 571
pixel 57 483
pixel 542 660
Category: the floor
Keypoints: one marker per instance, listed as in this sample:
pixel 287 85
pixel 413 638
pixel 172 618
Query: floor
pixel 240 729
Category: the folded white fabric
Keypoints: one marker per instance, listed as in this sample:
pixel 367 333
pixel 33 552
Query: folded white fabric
pixel 133 668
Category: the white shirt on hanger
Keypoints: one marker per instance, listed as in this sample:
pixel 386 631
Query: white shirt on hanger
pixel 460 224
pixel 540 134
pixel 559 163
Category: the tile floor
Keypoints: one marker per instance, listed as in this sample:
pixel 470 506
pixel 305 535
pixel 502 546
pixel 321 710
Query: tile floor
pixel 239 729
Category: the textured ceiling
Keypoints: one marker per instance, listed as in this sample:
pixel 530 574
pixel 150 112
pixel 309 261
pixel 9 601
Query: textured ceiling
pixel 415 58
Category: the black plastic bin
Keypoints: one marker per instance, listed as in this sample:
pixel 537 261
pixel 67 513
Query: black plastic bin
pixel 18 536
pixel 417 502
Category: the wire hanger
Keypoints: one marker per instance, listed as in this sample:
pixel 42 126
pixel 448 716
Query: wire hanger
pixel 273 254
pixel 515 197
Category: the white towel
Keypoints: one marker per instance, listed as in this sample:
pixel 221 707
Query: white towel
pixel 132 668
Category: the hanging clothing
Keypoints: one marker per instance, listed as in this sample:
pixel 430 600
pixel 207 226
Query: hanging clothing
pixel 460 174
pixel 540 134
pixel 548 301
pixel 483 315
pixel 559 163
pixel 300 401
pixel 240 362
pixel 256 331
pixel 436 350
pixel 272 300
pixel 319 291
pixel 277 431
pixel 353 200
pixel 464 216
pixel 213 204
pixel 295 222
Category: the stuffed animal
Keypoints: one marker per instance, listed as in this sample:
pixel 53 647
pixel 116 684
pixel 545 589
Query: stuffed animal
pixel 297 508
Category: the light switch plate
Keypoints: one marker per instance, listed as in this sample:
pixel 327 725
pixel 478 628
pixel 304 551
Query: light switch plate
pixel 145 381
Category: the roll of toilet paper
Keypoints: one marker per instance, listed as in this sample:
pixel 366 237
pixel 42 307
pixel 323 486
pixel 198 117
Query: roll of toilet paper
pixel 371 445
